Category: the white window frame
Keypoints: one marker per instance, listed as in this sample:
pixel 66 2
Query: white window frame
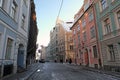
pixel 1 2
pixel 118 20
pixel 78 27
pixel 91 16
pixel 78 38
pixel 13 9
pixel 103 4
pixel 12 50
pixel 107 27
pixel 23 22
pixel 74 31
pixel 0 43
pixel 111 52
pixel 92 32
pixel 25 2
pixel 95 51
pixel 83 22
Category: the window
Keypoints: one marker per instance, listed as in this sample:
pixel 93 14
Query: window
pixel 118 46
pixel 83 22
pixel 56 42
pixel 56 30
pixel 13 10
pixel 71 47
pixel 26 1
pixel 84 36
pixel 78 38
pixel 78 27
pixel 71 39
pixel 23 22
pixel 95 51
pixel 107 26
pixel 1 2
pixel 0 41
pixel 91 16
pixel 75 42
pixel 74 31
pixel 111 52
pixel 56 49
pixel 103 4
pixel 56 36
pixel 92 31
pixel 113 0
pixel 9 48
pixel 0 37
pixel 118 17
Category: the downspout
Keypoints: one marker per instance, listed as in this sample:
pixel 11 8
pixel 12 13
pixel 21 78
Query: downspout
pixel 97 39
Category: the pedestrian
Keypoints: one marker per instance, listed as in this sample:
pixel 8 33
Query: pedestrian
pixel 70 60
pixel 66 60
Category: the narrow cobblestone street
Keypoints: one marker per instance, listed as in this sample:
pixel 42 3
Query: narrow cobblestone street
pixel 57 71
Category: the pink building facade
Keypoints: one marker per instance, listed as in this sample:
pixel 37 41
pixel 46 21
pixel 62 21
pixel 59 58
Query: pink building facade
pixel 86 45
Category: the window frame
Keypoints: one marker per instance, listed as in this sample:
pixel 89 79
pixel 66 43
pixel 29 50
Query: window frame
pixel 103 4
pixel 83 22
pixel 111 52
pixel 7 55
pixel 71 47
pixel 92 32
pixel 78 38
pixel 91 17
pixel 107 26
pixel 84 36
pixel 118 16
pixel 95 53
pixel 0 42
pixel 13 9
pixel 74 31
pixel 1 3
pixel 78 27
pixel 23 21
pixel 113 0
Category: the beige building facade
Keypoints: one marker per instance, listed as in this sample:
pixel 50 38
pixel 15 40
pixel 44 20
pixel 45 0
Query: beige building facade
pixel 61 42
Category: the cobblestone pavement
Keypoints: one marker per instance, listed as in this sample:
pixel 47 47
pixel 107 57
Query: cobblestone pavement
pixel 57 71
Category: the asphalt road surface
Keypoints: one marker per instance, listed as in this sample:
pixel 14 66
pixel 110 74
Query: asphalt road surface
pixel 58 71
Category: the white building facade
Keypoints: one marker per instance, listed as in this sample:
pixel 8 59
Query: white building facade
pixel 14 21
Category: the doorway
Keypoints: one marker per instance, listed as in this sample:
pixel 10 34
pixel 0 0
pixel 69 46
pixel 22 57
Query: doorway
pixel 20 58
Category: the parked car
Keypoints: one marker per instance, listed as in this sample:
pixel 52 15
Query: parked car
pixel 42 61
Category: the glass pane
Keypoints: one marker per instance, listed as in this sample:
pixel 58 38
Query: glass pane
pixel 8 48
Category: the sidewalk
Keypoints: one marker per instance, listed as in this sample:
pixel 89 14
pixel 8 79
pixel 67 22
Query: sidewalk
pixel 24 75
pixel 116 74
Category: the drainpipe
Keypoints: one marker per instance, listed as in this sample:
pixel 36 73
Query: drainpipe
pixel 97 38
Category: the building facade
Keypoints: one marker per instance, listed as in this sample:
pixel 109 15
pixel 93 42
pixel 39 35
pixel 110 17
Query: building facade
pixel 69 54
pixel 48 55
pixel 14 20
pixel 85 37
pixel 57 41
pixel 33 31
pixel 108 21
pixel 43 52
pixel 61 42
